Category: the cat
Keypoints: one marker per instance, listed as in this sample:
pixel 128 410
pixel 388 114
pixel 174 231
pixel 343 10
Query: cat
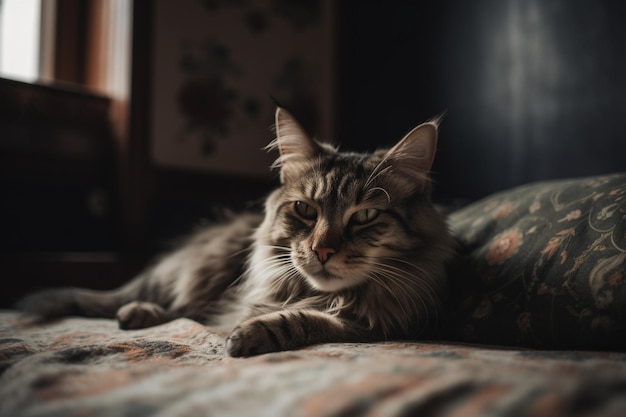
pixel 348 248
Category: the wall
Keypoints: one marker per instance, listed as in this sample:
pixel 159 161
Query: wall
pixel 533 89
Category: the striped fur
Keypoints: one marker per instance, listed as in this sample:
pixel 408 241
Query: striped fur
pixel 349 248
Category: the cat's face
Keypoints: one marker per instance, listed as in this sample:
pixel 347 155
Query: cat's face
pixel 340 227
pixel 345 218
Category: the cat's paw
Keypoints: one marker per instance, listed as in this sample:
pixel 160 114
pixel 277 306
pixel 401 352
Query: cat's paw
pixel 139 315
pixel 253 337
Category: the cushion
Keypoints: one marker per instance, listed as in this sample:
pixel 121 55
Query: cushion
pixel 543 265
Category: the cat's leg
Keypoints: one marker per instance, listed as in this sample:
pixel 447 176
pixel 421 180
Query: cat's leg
pixel 140 314
pixel 289 329
pixel 61 302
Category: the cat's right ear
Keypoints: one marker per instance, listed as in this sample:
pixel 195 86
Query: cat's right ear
pixel 295 146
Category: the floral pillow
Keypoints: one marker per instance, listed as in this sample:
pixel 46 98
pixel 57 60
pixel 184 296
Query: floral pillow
pixel 543 265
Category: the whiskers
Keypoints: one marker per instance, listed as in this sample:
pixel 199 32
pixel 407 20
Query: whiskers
pixel 275 274
pixel 278 264
pixel 380 169
pixel 381 189
pixel 400 297
pixel 411 288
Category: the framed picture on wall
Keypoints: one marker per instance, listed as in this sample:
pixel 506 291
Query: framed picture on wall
pixel 218 66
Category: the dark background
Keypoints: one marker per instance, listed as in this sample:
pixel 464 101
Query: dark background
pixel 532 90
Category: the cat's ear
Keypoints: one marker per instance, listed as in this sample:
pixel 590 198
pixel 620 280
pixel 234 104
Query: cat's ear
pixel 412 157
pixel 295 146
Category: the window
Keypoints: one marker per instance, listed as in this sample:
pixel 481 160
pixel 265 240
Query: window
pixel 83 42
pixel 20 23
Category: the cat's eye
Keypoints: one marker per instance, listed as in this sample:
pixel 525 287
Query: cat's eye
pixel 304 210
pixel 365 216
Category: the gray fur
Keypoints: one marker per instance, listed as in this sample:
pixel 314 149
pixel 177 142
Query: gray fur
pixel 349 248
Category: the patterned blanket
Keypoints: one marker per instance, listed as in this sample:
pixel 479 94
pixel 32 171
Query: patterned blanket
pixel 87 367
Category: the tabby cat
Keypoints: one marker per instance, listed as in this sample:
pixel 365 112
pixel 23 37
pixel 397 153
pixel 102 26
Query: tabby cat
pixel 349 249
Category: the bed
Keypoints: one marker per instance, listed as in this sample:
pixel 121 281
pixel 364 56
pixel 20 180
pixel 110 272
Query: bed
pixel 537 327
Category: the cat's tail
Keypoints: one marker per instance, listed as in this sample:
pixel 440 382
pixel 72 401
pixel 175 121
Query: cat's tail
pixel 71 301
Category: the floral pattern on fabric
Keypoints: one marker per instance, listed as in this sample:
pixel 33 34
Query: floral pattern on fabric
pixel 543 265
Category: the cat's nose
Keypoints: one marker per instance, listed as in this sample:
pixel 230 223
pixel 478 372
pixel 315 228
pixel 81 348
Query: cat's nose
pixel 323 254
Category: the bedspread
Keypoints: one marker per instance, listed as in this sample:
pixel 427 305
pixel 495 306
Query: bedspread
pixel 88 367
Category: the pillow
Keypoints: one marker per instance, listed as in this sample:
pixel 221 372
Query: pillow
pixel 543 266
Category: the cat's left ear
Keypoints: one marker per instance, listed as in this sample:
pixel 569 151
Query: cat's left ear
pixel 412 157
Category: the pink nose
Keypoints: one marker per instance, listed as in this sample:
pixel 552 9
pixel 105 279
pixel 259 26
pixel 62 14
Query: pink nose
pixel 323 254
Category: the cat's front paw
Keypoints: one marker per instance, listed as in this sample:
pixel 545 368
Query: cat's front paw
pixel 251 338
pixel 139 315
